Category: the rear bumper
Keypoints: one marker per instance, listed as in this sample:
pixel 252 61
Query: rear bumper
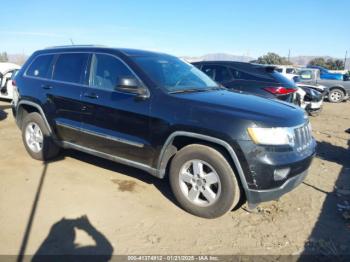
pixel 258 196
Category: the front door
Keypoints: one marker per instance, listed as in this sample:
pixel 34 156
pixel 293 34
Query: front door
pixel 114 122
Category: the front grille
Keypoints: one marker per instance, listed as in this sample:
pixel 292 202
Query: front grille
pixel 303 137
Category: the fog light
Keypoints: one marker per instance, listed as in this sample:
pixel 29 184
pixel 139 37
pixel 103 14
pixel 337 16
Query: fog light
pixel 281 174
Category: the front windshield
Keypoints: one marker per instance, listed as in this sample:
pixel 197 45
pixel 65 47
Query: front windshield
pixel 174 74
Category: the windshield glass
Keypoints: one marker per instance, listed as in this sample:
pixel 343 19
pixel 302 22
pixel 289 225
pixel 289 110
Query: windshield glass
pixel 173 74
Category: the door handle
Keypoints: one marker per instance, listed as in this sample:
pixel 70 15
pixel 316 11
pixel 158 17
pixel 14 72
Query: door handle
pixel 91 95
pixel 44 86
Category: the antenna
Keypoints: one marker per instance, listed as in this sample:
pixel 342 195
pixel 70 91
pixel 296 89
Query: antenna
pixel 71 40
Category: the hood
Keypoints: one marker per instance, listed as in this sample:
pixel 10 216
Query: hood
pixel 263 111
pixel 5 67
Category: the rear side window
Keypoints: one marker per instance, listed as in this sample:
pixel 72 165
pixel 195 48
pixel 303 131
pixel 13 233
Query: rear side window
pixel 280 70
pixel 106 72
pixel 70 67
pixel 41 66
pixel 237 74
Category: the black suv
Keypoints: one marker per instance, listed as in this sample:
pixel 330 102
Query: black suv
pixel 250 78
pixel 160 114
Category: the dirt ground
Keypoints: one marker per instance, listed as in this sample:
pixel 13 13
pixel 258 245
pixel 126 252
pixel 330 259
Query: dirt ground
pixel 43 207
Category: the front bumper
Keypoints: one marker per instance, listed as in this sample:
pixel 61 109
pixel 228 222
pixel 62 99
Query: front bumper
pixel 258 196
pixel 260 165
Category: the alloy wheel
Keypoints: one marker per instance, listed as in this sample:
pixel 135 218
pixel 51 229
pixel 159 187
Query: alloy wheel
pixel 34 137
pixel 200 183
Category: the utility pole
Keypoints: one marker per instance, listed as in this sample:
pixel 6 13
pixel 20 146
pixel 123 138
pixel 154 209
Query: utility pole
pixel 289 55
pixel 346 56
pixel 71 41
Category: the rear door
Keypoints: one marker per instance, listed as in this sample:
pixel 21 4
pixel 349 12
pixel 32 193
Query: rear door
pixel 114 122
pixel 63 94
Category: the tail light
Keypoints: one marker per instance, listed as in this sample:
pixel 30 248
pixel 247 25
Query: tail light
pixel 280 90
pixel 13 82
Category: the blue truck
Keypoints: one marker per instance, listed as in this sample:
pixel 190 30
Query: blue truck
pixel 325 74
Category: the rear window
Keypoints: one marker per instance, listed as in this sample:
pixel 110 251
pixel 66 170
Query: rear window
pixel 284 81
pixel 40 66
pixel 70 67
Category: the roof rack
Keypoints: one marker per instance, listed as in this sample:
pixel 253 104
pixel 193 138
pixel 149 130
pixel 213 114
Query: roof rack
pixel 70 46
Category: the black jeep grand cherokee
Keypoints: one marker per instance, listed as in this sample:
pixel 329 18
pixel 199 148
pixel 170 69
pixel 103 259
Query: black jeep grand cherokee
pixel 164 116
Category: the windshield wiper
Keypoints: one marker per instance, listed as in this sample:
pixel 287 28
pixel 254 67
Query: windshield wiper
pixel 188 91
pixel 193 90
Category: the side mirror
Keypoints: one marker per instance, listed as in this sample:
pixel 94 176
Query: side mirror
pixel 131 85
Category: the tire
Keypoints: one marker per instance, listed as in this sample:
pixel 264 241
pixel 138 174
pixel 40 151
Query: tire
pixel 336 95
pixel 226 190
pixel 35 130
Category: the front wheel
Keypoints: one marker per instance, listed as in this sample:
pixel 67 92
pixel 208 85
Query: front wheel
pixel 203 181
pixel 336 95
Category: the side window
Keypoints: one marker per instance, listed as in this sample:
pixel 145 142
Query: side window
pixel 218 73
pixel 40 67
pixel 198 66
pixel 279 70
pixel 15 72
pixel 106 71
pixel 306 75
pixel 222 74
pixel 291 71
pixel 70 67
pixel 209 70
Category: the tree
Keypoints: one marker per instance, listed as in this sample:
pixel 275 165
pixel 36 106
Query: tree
pixel 272 59
pixel 3 57
pixel 336 64
pixel 331 64
pixel 318 61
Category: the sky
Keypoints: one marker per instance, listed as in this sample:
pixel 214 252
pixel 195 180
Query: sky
pixel 180 27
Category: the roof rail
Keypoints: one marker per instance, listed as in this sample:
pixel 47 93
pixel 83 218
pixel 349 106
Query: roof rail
pixel 70 46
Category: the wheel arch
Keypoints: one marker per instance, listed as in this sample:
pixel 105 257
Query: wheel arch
pixel 25 107
pixel 338 87
pixel 179 139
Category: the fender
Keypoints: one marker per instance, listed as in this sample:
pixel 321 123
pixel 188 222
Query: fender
pixel 338 87
pixel 168 147
pixel 41 111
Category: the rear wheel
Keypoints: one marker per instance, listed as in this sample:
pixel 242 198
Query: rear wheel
pixel 336 95
pixel 203 181
pixel 37 139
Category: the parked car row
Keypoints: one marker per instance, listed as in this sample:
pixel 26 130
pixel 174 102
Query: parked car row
pixel 163 115
pixel 337 90
pixel 335 87
pixel 266 81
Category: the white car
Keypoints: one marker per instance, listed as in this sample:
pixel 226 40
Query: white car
pixel 7 72
pixel 288 71
pixel 310 98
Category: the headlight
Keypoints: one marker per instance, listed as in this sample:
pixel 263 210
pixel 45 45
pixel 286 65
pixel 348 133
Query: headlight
pixel 272 136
